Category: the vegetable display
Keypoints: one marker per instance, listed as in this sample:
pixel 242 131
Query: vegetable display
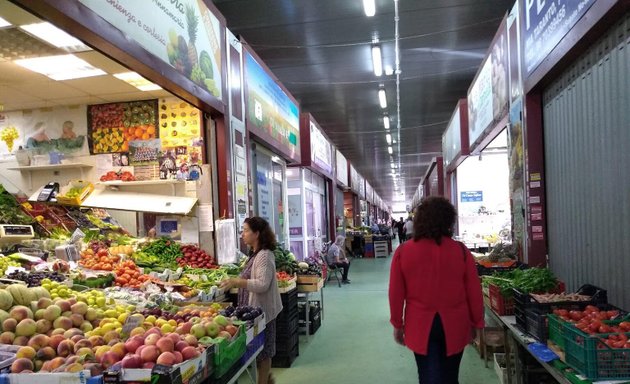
pixel 195 257
pixel 525 280
pixel 167 250
pixel 285 261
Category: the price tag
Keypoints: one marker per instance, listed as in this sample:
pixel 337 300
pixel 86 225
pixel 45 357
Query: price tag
pixel 131 323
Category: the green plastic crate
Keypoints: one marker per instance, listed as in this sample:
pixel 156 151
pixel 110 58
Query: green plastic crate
pixel 227 353
pixel 593 358
pixel 556 328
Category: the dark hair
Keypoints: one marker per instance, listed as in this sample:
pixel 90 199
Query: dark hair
pixel 434 218
pixel 266 237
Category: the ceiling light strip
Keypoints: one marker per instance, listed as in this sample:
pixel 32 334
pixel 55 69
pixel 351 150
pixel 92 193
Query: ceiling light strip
pixel 369 7
pixel 377 60
pixel 382 98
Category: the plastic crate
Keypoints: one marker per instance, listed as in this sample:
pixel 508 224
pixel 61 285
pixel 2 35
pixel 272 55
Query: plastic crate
pixel 595 360
pixel 227 353
pixel 313 324
pixel 525 301
pixel 285 344
pixel 315 308
pixel 503 306
pixel 556 326
pixel 285 361
pixel 252 347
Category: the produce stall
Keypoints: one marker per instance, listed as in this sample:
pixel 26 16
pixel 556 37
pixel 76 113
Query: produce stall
pixel 554 336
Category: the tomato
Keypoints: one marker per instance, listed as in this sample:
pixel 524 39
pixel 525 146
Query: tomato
pixel 576 315
pixel 625 326
pixel 604 329
pixel 594 326
pixel 591 308
pixel 619 344
pixel 612 314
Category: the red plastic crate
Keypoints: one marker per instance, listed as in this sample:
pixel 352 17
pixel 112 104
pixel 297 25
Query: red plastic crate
pixel 501 305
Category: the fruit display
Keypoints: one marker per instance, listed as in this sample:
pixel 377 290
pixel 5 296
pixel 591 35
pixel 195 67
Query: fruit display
pixel 35 279
pixel 129 275
pixel 194 257
pixel 113 126
pixel 117 176
pixel 5 263
pixel 99 260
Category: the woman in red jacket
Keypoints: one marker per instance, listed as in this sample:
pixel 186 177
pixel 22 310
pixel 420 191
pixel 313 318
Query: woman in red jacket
pixel 434 281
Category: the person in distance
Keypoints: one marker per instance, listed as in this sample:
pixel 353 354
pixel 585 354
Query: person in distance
pixel 258 287
pixel 435 299
pixel 336 257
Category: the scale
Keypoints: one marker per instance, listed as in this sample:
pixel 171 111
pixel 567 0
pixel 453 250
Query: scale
pixel 15 233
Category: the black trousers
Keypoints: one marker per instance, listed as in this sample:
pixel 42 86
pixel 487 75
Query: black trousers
pixel 436 367
pixel 345 267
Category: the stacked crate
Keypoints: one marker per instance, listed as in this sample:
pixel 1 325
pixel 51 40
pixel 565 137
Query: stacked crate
pixel 287 327
pixel 315 316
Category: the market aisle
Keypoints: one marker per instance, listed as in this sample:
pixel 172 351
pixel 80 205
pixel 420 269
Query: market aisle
pixel 355 344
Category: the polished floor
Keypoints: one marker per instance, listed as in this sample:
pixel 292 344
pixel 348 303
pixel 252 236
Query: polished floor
pixel 355 344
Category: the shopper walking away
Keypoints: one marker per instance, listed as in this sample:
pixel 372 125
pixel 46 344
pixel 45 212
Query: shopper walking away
pixel 408 229
pixel 258 286
pixel 434 281
pixel 374 228
pixel 401 230
pixel 336 257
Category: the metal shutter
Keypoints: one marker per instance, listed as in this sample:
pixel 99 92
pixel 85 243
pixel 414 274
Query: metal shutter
pixel 587 156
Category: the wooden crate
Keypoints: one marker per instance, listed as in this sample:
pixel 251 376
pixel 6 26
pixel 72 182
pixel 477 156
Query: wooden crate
pixel 307 279
pixel 311 287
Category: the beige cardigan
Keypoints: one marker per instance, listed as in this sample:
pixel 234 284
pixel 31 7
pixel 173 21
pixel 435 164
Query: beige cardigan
pixel 263 285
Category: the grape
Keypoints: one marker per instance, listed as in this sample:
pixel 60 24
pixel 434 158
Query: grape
pixel 5 262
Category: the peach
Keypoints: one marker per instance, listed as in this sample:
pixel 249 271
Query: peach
pixel 119 349
pixel 166 358
pixel 7 337
pixel 110 358
pixel 38 364
pixel 100 351
pixel 39 314
pixel 86 326
pixel 39 341
pixel 91 314
pixel 55 340
pixel 79 308
pixel 74 367
pixel 52 312
pixel 46 353
pixel 22 364
pixel 57 362
pixel 77 319
pixel 97 341
pixel 44 303
pixel 26 327
pixel 72 332
pixel 73 359
pixel 45 367
pixel 187 327
pixel 20 312
pixel 43 326
pixel 64 305
pixel 82 344
pixel 26 352
pixel 95 369
pixel 21 340
pixel 58 331
pixel 77 338
pixel 72 301
pixel 85 352
pixel 9 324
pixel 111 335
pixel 65 348
pixel 62 322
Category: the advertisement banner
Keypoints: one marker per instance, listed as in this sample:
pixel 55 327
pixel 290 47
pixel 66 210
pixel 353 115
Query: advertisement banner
pixel 514 54
pixel 342 169
pixel 361 188
pixel 517 183
pixel 451 139
pixel 369 192
pixel 321 149
pixel 354 180
pixel 271 114
pixel 185 35
pixel 544 24
pixel 480 102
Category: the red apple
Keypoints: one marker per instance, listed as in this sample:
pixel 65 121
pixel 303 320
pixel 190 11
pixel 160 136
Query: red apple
pixel 190 353
pixel 151 339
pixel 166 358
pixel 110 358
pixel 132 361
pixel 133 344
pixel 165 344
pixel 150 353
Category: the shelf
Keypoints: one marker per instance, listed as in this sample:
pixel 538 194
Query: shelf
pixel 119 183
pixel 136 202
pixel 49 167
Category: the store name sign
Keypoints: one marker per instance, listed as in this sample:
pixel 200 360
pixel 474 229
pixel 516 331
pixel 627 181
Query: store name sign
pixel 186 35
pixel 451 140
pixel 271 113
pixel 471 196
pixel 342 168
pixel 355 179
pixel 480 102
pixel 321 150
pixel 546 22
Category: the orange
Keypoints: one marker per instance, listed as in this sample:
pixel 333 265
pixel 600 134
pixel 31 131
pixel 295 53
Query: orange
pixel 131 131
pixel 125 146
pixel 151 130
pixel 139 133
pixel 146 136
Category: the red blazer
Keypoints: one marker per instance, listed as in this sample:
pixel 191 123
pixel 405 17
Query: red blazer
pixel 426 279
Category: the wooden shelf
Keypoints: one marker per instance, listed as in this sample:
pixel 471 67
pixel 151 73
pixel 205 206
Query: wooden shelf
pixel 118 183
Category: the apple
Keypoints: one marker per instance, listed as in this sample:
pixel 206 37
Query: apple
pixel 221 320
pixel 151 339
pixel 133 344
pixel 165 344
pixel 232 330
pixel 190 353
pixel 148 365
pixel 150 353
pixel 132 361
pixel 181 345
pixel 178 357
pixel 212 329
pixel 191 340
pixel 198 331
pixel 175 337
pixel 166 358
pixel 110 358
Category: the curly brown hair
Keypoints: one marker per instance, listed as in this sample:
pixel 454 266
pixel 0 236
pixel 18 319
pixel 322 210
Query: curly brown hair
pixel 434 218
pixel 266 237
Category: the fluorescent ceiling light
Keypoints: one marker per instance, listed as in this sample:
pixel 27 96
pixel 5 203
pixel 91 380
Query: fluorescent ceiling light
pixel 389 70
pixel 369 7
pixel 390 150
pixel 388 137
pixel 382 98
pixel 392 165
pixel 4 23
pixel 386 122
pixel 61 67
pixel 132 78
pixel 377 60
pixel 55 36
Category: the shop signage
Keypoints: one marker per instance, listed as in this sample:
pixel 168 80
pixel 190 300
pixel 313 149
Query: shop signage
pixel 471 196
pixel 321 150
pixel 451 140
pixel 187 36
pixel 342 169
pixel 271 113
pixel 488 95
pixel 369 192
pixel 355 179
pixel 361 188
pixel 544 24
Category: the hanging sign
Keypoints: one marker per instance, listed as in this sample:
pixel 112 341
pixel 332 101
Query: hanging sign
pixel 355 180
pixel 321 150
pixel 342 169
pixel 271 114
pixel 471 196
pixel 186 35
pixel 544 24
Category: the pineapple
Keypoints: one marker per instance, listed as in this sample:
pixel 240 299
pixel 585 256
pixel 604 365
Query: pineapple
pixel 193 22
